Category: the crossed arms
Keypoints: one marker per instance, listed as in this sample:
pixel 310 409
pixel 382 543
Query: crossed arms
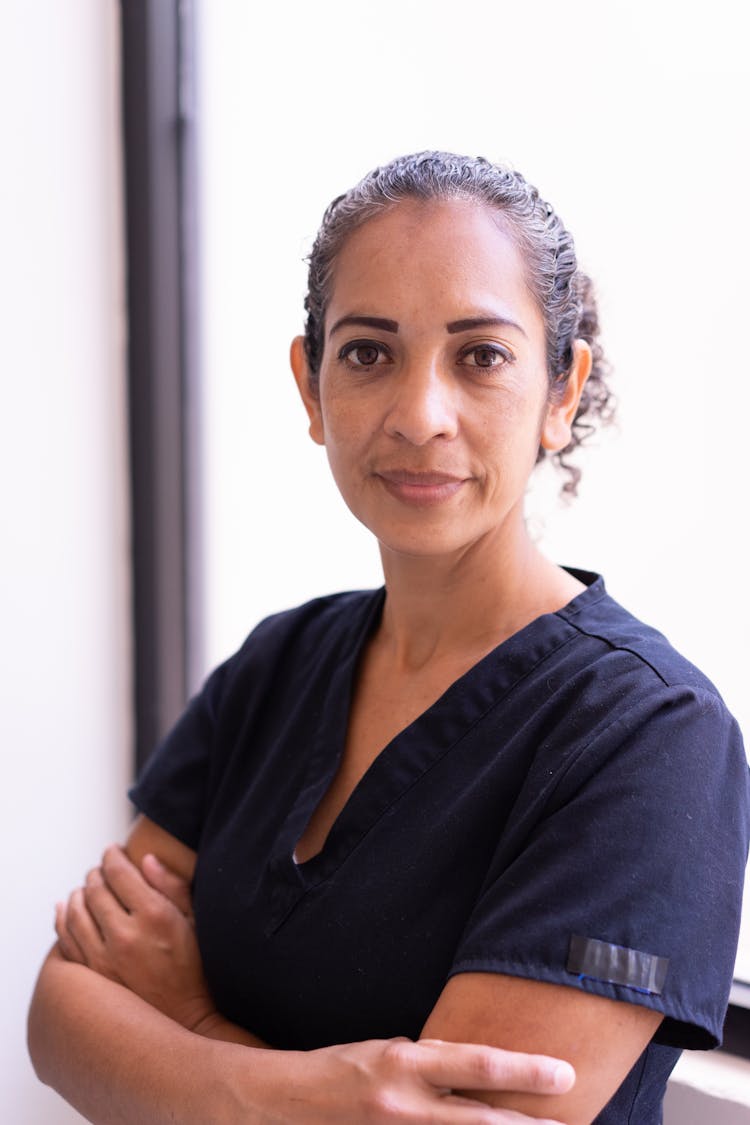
pixel 122 1024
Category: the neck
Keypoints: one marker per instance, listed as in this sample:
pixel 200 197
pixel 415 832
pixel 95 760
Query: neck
pixel 468 602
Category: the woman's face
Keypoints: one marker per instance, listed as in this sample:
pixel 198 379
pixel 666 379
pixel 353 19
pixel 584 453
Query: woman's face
pixel 432 398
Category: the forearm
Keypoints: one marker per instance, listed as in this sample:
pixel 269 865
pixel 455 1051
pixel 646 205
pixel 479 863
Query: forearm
pixel 121 1062
pixel 215 1027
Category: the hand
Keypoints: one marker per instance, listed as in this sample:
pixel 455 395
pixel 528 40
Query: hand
pixel 135 927
pixel 383 1081
pixel 171 885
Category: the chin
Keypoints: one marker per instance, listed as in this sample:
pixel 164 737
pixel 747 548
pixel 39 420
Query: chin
pixel 422 543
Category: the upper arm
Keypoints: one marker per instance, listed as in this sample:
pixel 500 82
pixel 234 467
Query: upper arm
pixel 640 849
pixel 601 1038
pixel 146 837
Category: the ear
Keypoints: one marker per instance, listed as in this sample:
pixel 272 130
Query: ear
pixel 308 393
pixel 558 423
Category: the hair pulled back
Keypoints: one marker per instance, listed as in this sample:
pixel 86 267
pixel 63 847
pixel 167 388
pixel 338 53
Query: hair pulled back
pixel 564 293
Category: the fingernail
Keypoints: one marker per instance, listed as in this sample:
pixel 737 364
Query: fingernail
pixel 563 1077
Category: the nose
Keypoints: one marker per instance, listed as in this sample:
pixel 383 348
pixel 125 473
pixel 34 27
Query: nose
pixel 423 406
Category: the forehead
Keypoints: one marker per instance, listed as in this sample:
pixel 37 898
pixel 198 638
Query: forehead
pixel 429 254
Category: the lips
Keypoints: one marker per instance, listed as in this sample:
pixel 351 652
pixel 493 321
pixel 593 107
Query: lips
pixel 408 476
pixel 420 488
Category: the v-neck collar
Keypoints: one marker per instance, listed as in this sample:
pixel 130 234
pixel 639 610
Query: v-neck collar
pixel 413 751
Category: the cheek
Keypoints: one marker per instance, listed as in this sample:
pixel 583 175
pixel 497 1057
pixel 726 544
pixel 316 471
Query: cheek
pixel 511 428
pixel 346 444
pixel 349 420
pixel 340 425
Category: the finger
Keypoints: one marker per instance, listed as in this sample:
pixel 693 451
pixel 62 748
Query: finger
pixel 469 1066
pixel 82 926
pixel 103 905
pixel 168 883
pixel 472 1112
pixel 69 948
pixel 125 880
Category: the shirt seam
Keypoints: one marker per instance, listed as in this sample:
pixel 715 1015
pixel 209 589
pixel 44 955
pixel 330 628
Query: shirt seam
pixel 616 647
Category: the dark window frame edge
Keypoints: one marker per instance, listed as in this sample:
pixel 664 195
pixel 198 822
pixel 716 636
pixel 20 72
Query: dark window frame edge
pixel 161 253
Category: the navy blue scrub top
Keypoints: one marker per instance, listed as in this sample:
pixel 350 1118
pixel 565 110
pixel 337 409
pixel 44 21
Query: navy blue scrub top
pixel 573 809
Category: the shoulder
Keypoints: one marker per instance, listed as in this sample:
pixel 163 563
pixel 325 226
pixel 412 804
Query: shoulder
pixel 615 682
pixel 332 618
pixel 597 617
pixel 275 675
pixel 319 614
pixel 305 638
pixel 624 699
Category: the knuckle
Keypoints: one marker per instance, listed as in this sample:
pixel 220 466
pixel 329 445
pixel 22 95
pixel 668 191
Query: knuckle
pixel 75 904
pixel 488 1116
pixel 90 893
pixel 483 1066
pixel 153 912
pixel 111 856
pixel 399 1052
pixel 537 1074
pixel 121 943
pixel 382 1104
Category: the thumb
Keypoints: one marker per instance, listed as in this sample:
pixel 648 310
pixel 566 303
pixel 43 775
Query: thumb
pixel 168 883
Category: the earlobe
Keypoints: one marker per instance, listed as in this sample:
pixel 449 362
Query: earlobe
pixel 557 429
pixel 310 400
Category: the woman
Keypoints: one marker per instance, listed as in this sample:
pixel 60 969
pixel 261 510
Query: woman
pixel 484 805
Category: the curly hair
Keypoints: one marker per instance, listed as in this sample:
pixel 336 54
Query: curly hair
pixel 564 293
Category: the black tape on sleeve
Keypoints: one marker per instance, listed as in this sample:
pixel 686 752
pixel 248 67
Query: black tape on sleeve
pixel 616 964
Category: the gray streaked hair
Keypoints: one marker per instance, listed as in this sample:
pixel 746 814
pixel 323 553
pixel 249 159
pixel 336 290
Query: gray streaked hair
pixel 564 293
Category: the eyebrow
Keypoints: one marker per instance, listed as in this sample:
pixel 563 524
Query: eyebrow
pixel 454 326
pixel 470 322
pixel 367 322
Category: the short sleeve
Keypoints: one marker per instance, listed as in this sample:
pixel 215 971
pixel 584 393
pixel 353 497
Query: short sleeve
pixel 172 788
pixel 266 684
pixel 629 884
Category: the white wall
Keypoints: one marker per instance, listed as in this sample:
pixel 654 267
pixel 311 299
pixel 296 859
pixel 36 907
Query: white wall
pixel 65 727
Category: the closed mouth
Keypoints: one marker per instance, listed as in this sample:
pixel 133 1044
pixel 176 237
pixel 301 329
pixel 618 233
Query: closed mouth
pixel 420 489
pixel 418 479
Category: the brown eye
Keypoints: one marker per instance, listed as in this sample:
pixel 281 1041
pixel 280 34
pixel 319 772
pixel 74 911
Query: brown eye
pixel 366 354
pixel 485 356
pixel 363 353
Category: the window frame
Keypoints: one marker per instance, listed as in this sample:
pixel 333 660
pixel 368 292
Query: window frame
pixel 161 251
